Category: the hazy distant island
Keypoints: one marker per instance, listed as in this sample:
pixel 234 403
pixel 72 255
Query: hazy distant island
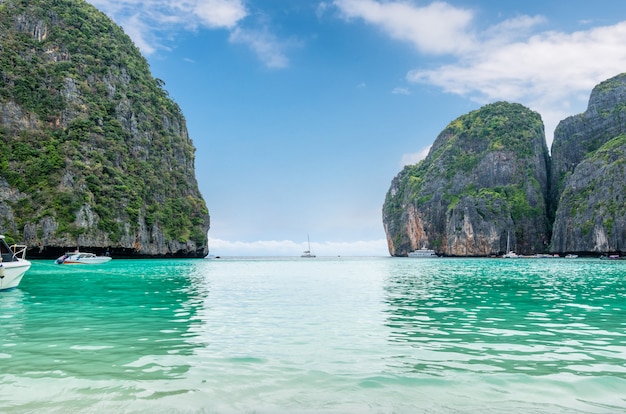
pixel 94 152
pixel 489 182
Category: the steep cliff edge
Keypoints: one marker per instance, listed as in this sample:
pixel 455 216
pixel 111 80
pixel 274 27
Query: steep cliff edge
pixel 588 178
pixel 578 136
pixel 591 216
pixel 489 177
pixel 95 154
pixel 483 183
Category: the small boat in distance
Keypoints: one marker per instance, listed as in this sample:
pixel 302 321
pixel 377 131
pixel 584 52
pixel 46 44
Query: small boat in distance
pixel 423 253
pixel 307 253
pixel 82 258
pixel 510 254
pixel 13 264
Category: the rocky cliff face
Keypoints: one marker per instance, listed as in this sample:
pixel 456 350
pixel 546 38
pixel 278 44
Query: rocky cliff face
pixel 578 136
pixel 489 178
pixel 95 154
pixel 591 215
pixel 483 185
pixel 588 174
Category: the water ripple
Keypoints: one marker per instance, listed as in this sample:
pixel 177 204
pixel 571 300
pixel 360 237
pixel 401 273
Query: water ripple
pixel 334 335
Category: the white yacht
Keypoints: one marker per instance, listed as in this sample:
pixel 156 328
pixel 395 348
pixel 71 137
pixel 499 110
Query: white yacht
pixel 423 253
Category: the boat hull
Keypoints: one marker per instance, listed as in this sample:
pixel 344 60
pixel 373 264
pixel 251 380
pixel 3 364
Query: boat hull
pixel 82 258
pixel 93 260
pixel 11 273
pixel 423 253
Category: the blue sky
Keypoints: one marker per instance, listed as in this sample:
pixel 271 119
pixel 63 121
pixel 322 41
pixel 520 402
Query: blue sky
pixel 302 112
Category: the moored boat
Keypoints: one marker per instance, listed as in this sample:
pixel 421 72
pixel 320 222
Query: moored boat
pixel 511 255
pixel 423 253
pixel 82 258
pixel 307 253
pixel 611 257
pixel 13 265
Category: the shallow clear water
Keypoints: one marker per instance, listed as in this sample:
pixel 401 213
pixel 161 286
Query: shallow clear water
pixel 331 335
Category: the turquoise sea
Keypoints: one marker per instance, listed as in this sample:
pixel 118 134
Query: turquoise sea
pixel 324 335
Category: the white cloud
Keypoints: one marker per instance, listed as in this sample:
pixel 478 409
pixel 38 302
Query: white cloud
pixel 289 248
pixel 551 72
pixel 220 13
pixel 265 45
pixel 545 65
pixel 146 21
pixel 400 91
pixel 510 30
pixel 156 15
pixel 322 7
pixel 136 29
pixel 436 28
pixel 415 157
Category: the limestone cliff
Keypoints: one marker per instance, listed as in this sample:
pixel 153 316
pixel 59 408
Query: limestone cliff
pixel 578 136
pixel 591 215
pixel 488 178
pixel 588 178
pixel 95 153
pixel 483 184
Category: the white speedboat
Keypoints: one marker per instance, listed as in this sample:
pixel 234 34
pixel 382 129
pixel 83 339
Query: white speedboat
pixel 82 258
pixel 423 253
pixel 13 265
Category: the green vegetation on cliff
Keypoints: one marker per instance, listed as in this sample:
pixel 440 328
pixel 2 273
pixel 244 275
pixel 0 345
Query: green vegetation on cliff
pixel 485 177
pixel 588 177
pixel 592 211
pixel 89 137
pixel 489 176
pixel 499 127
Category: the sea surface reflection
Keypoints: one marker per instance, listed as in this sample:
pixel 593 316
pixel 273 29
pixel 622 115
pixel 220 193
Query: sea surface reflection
pixel 80 335
pixel 332 335
pixel 508 316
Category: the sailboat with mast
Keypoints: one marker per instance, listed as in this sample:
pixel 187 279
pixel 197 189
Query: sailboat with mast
pixel 510 254
pixel 307 253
